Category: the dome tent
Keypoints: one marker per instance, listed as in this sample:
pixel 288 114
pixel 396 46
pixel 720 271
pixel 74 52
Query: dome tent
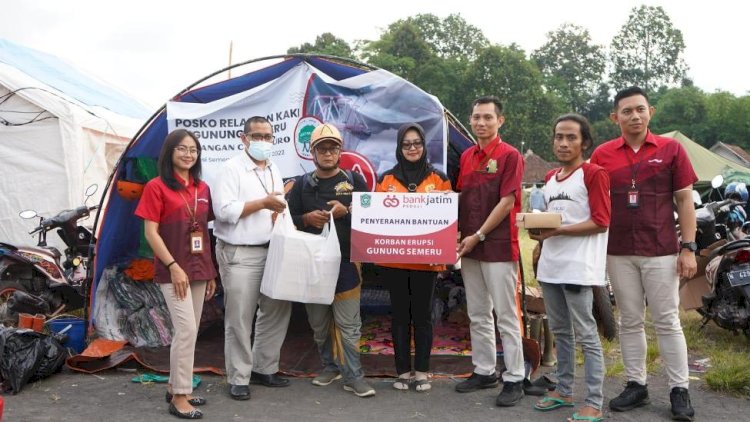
pixel 295 92
pixel 60 131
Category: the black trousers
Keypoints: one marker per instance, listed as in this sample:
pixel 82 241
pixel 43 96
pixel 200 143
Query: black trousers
pixel 412 293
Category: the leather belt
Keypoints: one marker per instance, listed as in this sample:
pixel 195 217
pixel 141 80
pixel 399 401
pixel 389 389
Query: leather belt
pixel 261 245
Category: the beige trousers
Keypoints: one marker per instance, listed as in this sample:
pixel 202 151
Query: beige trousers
pixel 186 318
pixel 492 286
pixel 637 280
pixel 241 269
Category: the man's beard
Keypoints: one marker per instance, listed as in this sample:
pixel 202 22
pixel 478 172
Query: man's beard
pixel 333 166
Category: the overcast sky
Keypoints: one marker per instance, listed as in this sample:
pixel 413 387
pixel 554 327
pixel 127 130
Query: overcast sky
pixel 153 49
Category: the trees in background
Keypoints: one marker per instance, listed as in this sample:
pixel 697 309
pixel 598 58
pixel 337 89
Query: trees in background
pixel 325 43
pixel 455 61
pixel 647 51
pixel 573 67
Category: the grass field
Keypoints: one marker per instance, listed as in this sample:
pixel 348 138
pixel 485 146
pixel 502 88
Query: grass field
pixel 728 354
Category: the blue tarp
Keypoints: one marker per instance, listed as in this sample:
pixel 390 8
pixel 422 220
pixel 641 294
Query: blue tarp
pixel 54 72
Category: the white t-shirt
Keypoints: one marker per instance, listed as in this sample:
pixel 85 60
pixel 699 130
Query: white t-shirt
pixel 580 196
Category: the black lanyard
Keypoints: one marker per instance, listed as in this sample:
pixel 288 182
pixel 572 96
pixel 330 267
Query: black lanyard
pixel 634 166
pixel 273 183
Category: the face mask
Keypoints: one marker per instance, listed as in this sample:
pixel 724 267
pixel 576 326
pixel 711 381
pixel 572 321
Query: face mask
pixel 260 150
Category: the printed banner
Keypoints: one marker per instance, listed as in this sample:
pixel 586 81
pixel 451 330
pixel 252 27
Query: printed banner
pixel 367 109
pixel 406 228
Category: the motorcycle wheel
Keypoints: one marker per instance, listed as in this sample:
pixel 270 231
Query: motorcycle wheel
pixel 604 313
pixel 7 287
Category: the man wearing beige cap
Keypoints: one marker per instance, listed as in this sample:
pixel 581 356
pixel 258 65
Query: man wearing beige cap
pixel 315 196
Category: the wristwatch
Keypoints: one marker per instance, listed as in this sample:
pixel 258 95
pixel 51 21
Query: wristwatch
pixel 691 246
pixel 480 235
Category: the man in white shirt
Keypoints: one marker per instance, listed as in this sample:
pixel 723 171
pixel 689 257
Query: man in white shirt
pixel 246 198
pixel 572 261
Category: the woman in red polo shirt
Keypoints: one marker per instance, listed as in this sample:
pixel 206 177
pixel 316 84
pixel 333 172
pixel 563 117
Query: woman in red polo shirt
pixel 412 286
pixel 176 208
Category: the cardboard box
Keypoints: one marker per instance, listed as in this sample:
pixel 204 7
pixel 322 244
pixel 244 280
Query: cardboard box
pixel 534 300
pixel 538 220
pixel 692 291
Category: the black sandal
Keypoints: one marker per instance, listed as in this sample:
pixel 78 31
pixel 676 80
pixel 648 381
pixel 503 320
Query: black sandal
pixel 194 401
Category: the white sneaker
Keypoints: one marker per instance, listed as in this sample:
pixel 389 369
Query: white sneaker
pixel 360 388
pixel 326 378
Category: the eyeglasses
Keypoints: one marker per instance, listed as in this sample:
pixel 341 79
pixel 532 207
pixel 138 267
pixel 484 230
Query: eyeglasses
pixel 328 150
pixel 260 136
pixel 409 145
pixel 182 149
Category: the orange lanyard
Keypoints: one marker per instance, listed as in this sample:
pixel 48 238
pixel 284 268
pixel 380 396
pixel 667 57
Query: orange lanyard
pixel 191 212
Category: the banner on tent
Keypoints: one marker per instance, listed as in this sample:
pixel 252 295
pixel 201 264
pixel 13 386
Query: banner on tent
pixel 368 109
pixel 408 228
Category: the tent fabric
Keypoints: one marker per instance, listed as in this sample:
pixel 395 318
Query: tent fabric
pixel 53 72
pixel 708 164
pixel 117 239
pixel 60 131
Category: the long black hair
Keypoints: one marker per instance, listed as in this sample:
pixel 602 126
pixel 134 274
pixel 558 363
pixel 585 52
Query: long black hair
pixel 587 137
pixel 166 168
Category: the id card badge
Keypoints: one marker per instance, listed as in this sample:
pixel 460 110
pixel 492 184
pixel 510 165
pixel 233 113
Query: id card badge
pixel 196 242
pixel 633 198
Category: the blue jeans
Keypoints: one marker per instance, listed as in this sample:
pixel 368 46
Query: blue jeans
pixel 337 329
pixel 571 320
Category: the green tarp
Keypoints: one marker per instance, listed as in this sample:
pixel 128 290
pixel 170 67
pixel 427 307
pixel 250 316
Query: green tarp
pixel 707 164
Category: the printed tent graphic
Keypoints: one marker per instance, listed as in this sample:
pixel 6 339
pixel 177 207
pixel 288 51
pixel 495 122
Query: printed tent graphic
pixel 296 93
pixel 60 131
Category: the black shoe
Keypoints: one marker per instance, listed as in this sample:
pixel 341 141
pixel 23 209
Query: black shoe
pixel 544 382
pixel 239 392
pixel 510 396
pixel 634 395
pixel 476 382
pixel 193 414
pixel 271 380
pixel 533 390
pixel 681 408
pixel 195 401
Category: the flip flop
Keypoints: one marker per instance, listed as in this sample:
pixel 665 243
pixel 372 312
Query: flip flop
pixel 422 385
pixel 401 384
pixel 577 417
pixel 556 404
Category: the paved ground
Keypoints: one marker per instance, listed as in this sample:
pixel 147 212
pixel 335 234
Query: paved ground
pixel 112 397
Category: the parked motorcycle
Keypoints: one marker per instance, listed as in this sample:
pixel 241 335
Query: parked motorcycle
pixel 728 275
pixel 727 267
pixel 41 279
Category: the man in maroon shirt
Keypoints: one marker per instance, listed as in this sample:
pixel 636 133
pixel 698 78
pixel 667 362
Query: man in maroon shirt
pixel 644 258
pixel 490 184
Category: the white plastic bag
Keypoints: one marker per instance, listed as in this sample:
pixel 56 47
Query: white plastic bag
pixel 301 267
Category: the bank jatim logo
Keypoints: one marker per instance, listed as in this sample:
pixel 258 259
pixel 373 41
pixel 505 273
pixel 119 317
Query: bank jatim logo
pixel 391 201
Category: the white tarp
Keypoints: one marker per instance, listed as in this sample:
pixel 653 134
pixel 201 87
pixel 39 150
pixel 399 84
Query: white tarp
pixel 51 148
